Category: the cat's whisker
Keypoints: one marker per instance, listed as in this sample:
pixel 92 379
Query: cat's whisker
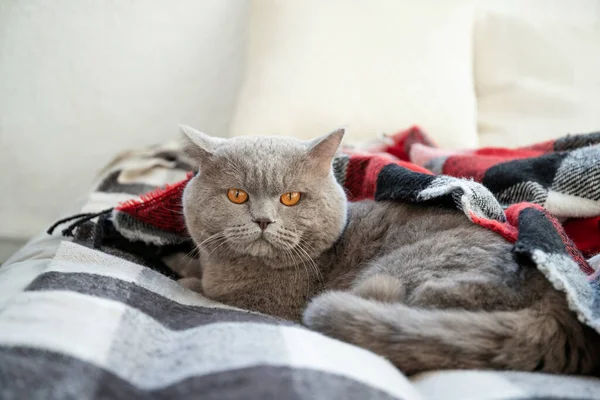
pixel 192 252
pixel 213 250
pixel 304 263
pixel 289 256
pixel 301 247
pixel 223 240
pixel 301 265
pixel 209 238
pixel 217 239
pixel 307 246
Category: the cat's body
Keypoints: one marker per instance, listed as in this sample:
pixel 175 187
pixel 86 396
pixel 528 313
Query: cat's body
pixel 433 245
pixel 422 286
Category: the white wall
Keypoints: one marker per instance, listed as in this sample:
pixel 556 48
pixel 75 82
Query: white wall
pixel 83 79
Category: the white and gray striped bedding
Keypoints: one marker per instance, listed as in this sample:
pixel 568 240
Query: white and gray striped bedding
pixel 78 323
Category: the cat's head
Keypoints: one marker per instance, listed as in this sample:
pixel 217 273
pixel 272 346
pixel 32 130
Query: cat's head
pixel 270 197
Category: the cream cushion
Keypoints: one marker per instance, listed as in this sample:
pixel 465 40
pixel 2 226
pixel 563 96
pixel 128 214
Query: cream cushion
pixel 371 66
pixel 81 81
pixel 537 69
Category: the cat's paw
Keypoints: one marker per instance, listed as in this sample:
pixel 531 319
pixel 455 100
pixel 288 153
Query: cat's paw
pixel 191 283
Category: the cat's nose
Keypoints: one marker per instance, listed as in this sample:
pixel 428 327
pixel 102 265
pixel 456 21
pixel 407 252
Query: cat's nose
pixel 263 223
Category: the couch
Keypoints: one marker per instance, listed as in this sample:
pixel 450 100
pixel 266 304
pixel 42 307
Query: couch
pixel 120 76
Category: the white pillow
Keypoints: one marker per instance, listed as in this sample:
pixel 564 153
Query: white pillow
pixel 537 69
pixel 371 66
pixel 81 81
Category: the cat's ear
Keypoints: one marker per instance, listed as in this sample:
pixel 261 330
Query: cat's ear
pixel 322 150
pixel 198 145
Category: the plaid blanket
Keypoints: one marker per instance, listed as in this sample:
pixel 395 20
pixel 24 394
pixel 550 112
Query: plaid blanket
pixel 517 193
pixel 103 319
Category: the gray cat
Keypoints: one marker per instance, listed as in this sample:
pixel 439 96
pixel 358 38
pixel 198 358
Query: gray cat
pixel 422 286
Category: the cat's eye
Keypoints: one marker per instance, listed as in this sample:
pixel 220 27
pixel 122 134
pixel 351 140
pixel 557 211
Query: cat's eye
pixel 290 198
pixel 237 196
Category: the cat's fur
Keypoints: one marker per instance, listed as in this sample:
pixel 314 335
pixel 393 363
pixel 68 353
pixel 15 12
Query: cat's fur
pixel 422 286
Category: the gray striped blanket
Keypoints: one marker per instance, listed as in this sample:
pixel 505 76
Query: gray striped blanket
pixel 80 323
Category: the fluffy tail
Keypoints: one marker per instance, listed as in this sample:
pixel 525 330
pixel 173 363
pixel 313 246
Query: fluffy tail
pixel 418 340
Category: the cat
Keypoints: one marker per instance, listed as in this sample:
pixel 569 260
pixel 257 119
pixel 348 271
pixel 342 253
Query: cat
pixel 421 286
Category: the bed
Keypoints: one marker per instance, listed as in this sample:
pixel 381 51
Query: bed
pixel 82 320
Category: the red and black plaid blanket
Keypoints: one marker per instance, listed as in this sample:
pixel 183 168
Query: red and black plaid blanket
pixel 543 198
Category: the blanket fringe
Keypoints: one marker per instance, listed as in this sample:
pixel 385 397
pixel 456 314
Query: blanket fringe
pixel 79 220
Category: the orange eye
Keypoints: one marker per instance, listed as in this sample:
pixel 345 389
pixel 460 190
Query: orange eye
pixel 290 199
pixel 237 196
